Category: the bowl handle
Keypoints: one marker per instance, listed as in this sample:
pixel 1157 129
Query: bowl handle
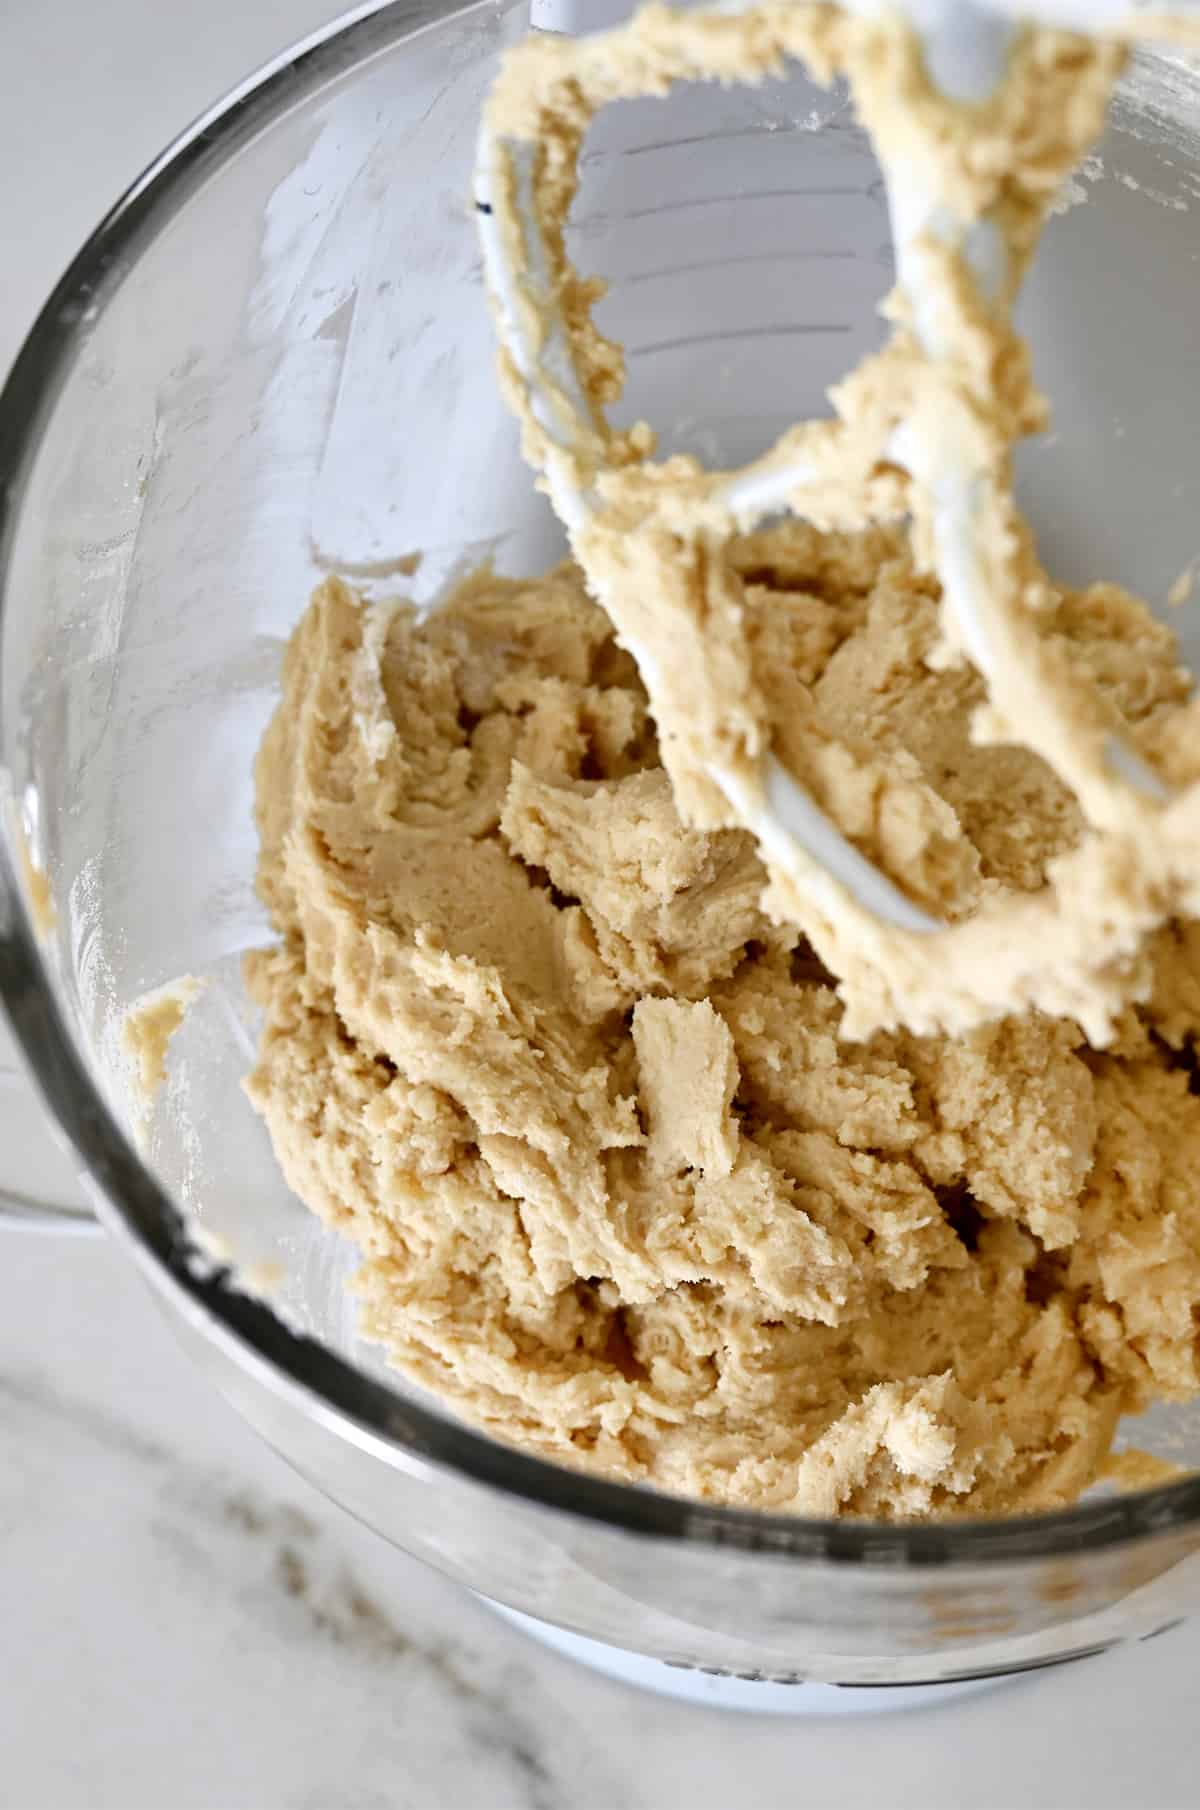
pixel 25 1213
pixel 20 1208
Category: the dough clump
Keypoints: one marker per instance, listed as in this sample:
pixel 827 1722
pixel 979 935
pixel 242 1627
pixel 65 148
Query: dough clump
pixel 623 1194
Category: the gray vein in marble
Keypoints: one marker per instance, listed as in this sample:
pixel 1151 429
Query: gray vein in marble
pixel 31 1390
pixel 304 1589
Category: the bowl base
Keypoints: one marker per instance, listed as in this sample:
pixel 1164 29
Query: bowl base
pixel 727 1690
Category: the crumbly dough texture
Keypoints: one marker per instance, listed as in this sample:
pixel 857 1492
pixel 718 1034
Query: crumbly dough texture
pixel 625 1195
pixel 909 429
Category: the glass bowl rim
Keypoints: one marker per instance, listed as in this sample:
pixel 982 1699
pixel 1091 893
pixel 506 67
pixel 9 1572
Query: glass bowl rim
pixel 369 1413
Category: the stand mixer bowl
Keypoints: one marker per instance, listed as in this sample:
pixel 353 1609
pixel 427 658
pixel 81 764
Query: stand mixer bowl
pixel 274 359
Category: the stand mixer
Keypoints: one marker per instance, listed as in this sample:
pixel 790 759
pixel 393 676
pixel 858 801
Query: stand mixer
pixel 155 551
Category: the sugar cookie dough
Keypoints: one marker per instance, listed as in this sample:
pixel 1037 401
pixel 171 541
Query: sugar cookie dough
pixel 623 1196
pixel 677 1168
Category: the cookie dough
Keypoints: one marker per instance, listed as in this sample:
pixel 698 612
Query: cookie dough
pixel 624 1193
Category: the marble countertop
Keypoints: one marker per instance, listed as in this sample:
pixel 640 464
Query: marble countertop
pixel 183 1621
pixel 187 1625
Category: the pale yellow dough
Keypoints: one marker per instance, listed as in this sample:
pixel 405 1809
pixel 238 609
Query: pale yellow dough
pixel 636 1185
pixel 147 1030
pixel 622 1196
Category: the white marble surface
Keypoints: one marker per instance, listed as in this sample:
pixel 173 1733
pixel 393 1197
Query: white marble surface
pixel 183 1622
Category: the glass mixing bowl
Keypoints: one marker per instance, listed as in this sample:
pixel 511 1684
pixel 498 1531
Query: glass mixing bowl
pixel 274 359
